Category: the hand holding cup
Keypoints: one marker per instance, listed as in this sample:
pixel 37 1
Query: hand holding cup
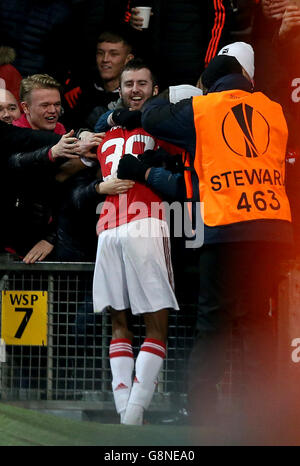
pixel 140 17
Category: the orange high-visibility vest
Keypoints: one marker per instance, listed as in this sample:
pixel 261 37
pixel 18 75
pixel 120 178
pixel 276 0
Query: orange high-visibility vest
pixel 240 157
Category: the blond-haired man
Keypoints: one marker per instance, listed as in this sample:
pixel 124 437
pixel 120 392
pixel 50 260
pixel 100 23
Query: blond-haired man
pixel 41 102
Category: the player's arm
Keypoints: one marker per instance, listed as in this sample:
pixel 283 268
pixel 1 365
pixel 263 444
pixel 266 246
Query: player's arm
pixel 147 168
pixel 114 186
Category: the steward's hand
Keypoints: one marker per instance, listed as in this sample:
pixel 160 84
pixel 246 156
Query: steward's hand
pixel 161 158
pixel 130 168
pixel 130 119
pixel 154 158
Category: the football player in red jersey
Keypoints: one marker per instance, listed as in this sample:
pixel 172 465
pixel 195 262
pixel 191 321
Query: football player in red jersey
pixel 133 267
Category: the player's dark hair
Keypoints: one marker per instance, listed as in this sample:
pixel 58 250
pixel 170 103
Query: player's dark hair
pixel 138 64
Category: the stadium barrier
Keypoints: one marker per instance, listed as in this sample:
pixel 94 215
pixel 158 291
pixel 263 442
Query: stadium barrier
pixel 57 349
pixel 53 347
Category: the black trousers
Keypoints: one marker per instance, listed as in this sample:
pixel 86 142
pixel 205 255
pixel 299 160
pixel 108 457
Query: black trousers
pixel 237 281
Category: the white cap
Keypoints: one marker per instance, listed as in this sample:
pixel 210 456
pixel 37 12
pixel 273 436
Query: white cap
pixel 244 54
pixel 183 91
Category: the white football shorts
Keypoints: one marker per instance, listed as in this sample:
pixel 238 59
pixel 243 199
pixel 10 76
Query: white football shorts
pixel 133 268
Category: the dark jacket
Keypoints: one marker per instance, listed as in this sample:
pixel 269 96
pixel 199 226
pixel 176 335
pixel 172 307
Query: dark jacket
pixel 93 101
pixel 39 31
pixel 77 218
pixel 33 198
pixel 175 124
pixel 14 139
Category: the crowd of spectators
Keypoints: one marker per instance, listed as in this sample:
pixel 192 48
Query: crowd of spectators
pixel 60 65
pixel 51 201
pixel 181 40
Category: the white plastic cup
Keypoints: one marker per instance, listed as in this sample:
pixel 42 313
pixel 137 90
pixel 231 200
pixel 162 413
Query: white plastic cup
pixel 144 12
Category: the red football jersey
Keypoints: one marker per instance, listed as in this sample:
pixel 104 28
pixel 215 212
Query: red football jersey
pixel 140 201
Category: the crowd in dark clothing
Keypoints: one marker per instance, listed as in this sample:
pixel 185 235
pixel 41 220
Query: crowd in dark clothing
pixel 59 38
pixel 48 42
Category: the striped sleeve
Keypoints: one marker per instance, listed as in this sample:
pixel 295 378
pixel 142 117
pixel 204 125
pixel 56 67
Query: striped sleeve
pixel 128 12
pixel 219 12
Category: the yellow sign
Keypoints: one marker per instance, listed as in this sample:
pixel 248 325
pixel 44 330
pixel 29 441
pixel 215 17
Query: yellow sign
pixel 24 317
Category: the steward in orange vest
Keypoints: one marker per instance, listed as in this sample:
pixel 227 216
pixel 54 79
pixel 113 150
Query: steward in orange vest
pixel 237 142
pixel 240 157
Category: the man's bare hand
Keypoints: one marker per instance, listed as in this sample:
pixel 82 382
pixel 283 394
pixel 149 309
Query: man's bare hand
pixel 274 9
pixel 88 143
pixel 38 253
pixel 66 147
pixel 136 21
pixel 290 24
pixel 114 186
pixel 89 135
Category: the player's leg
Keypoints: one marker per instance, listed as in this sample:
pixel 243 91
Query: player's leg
pixel 148 365
pixel 110 293
pixel 150 287
pixel 157 325
pixel 121 360
pixel 119 325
